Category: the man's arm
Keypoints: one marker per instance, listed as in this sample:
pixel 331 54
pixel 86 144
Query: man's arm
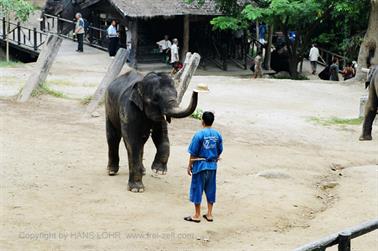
pixel 190 166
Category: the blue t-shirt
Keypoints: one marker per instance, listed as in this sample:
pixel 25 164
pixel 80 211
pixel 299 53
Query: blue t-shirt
pixel 208 144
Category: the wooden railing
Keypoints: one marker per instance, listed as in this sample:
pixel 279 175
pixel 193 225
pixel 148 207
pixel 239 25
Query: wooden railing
pixel 326 57
pixel 94 36
pixel 342 239
pixel 29 38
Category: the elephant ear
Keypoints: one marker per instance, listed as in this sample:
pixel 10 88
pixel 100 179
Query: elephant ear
pixel 136 96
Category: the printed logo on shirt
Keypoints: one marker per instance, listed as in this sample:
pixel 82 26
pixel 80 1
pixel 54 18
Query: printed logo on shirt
pixel 210 142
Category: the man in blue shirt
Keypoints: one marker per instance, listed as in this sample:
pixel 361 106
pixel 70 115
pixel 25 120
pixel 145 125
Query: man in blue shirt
pixel 205 150
pixel 113 38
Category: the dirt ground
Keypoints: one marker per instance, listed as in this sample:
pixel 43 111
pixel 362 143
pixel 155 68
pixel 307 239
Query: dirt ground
pixel 285 178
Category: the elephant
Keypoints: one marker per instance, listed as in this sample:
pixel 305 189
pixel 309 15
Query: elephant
pixel 371 105
pixel 137 106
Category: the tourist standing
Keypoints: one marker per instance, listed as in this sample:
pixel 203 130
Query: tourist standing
pixel 314 56
pixel 79 32
pixel 164 47
pixel 334 70
pixel 113 38
pixel 175 60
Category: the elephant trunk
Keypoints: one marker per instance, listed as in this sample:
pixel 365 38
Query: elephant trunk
pixel 178 112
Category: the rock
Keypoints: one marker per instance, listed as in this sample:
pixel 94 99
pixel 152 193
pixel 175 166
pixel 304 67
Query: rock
pixel 273 174
pixel 335 167
pixel 328 185
pixel 282 74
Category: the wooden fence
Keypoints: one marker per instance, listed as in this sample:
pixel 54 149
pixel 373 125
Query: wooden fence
pixel 342 239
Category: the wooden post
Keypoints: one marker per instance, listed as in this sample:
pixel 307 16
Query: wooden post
pixel 114 69
pixel 35 39
pixel 184 76
pixel 186 37
pixel 344 241
pixel 42 68
pixel 18 33
pixel 4 29
pixel 133 26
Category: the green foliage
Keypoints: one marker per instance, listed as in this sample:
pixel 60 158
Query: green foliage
pixel 335 121
pixel 227 23
pixel 197 114
pixel 21 9
pixel 45 90
pixel 86 100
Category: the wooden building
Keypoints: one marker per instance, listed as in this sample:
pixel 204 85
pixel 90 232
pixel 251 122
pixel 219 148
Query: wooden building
pixel 144 22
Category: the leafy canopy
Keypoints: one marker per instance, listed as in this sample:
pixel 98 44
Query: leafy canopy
pixel 20 9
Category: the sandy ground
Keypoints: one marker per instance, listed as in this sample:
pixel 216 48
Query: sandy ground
pixel 276 186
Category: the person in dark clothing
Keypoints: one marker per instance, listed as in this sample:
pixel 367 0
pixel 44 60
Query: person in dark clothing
pixel 334 70
pixel 113 38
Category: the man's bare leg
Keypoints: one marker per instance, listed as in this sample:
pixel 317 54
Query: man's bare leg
pixel 209 211
pixel 197 215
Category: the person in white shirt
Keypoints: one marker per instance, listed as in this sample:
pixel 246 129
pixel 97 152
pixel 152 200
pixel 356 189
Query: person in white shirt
pixel 314 56
pixel 165 46
pixel 175 60
pixel 113 38
pixel 79 32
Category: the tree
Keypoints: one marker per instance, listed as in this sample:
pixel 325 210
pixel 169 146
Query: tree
pixel 18 9
pixel 302 16
pixel 368 47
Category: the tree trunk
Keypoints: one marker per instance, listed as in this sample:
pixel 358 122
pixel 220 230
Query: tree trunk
pixel 42 68
pixel 370 42
pixel 268 50
pixel 114 69
pixel 293 66
pixel 133 26
pixel 184 76
pixel 185 46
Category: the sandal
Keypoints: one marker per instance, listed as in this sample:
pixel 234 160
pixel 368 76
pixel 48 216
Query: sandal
pixel 209 220
pixel 189 218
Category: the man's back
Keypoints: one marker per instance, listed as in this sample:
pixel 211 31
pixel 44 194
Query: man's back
pixel 207 144
pixel 314 54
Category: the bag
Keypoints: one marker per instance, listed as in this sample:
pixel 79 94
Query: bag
pixel 325 74
pixel 86 25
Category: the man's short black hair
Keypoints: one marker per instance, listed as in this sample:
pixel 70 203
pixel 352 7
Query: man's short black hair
pixel 208 118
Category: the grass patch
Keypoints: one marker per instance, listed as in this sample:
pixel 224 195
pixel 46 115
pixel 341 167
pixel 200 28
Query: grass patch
pixel 45 90
pixel 197 114
pixel 5 64
pixel 336 121
pixel 86 100
pixel 59 82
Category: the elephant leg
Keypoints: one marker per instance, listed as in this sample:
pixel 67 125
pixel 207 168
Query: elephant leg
pixel 161 141
pixel 113 136
pixel 134 146
pixel 370 112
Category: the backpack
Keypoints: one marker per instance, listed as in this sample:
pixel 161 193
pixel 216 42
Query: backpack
pixel 86 25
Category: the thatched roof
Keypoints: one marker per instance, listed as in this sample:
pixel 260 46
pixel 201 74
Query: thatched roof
pixel 151 8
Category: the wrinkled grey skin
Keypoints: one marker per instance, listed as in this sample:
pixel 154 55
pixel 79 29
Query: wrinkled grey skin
pixel 371 105
pixel 136 107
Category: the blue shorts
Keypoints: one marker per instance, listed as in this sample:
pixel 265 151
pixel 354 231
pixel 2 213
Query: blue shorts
pixel 203 181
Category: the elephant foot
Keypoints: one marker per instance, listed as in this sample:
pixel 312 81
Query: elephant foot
pixel 159 168
pixel 365 137
pixel 112 170
pixel 136 186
